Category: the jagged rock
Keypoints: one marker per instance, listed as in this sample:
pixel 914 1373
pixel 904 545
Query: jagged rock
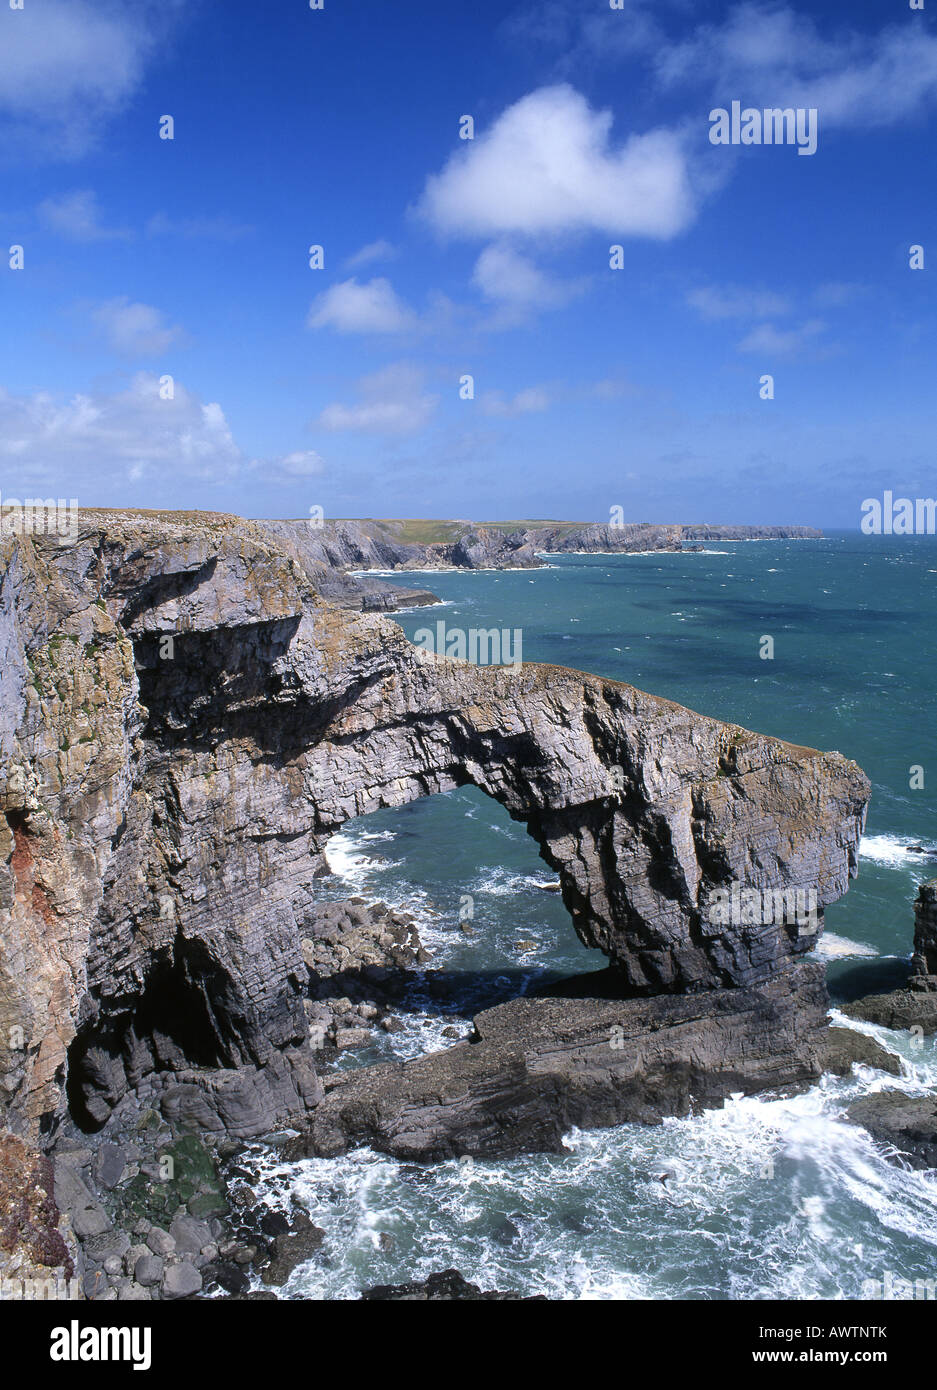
pixel 915 1005
pixel 356 952
pixel 333 546
pixel 244 1101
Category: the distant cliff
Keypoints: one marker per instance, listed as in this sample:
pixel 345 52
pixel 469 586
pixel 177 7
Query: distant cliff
pixel 336 546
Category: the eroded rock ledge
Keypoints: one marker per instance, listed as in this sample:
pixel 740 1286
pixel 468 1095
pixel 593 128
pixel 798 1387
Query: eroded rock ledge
pixel 184 722
pixel 539 1067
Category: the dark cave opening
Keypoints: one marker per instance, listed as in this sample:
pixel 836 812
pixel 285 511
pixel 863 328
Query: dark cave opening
pixel 184 1018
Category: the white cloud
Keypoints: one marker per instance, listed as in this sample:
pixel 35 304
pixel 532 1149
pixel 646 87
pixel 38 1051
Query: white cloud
pixel 531 401
pixel 393 401
pixel 772 56
pixel 349 307
pixel 734 302
pixel 763 54
pixel 302 464
pixel 782 342
pixel 374 251
pixel 92 445
pixel 77 216
pixel 135 330
pixel 584 34
pixel 66 66
pixel 548 164
pixel 96 440
pixel 518 288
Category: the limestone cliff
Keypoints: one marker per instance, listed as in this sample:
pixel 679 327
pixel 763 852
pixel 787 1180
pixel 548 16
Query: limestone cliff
pixel 185 720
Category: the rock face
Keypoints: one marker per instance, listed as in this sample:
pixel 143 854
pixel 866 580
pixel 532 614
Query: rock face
pixel 185 721
pixel 327 552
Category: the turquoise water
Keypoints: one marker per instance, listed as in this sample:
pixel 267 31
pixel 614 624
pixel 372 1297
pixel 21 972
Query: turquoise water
pixel 768 1198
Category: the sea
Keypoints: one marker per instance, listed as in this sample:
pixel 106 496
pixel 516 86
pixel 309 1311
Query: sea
pixel 767 1197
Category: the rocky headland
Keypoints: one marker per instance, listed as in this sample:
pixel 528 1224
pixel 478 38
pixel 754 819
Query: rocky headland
pixel 188 713
pixel 337 547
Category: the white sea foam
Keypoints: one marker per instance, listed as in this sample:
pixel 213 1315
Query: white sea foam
pixel 349 857
pixel 833 947
pixel 896 850
pixel 502 883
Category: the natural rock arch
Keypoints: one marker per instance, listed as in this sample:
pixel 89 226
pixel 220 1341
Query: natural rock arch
pixel 197 804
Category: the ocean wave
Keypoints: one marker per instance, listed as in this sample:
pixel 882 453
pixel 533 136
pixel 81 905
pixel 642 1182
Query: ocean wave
pixel 503 883
pixel 833 947
pixel 347 857
pixel 897 850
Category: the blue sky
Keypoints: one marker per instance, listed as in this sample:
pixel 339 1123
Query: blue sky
pixel 340 387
